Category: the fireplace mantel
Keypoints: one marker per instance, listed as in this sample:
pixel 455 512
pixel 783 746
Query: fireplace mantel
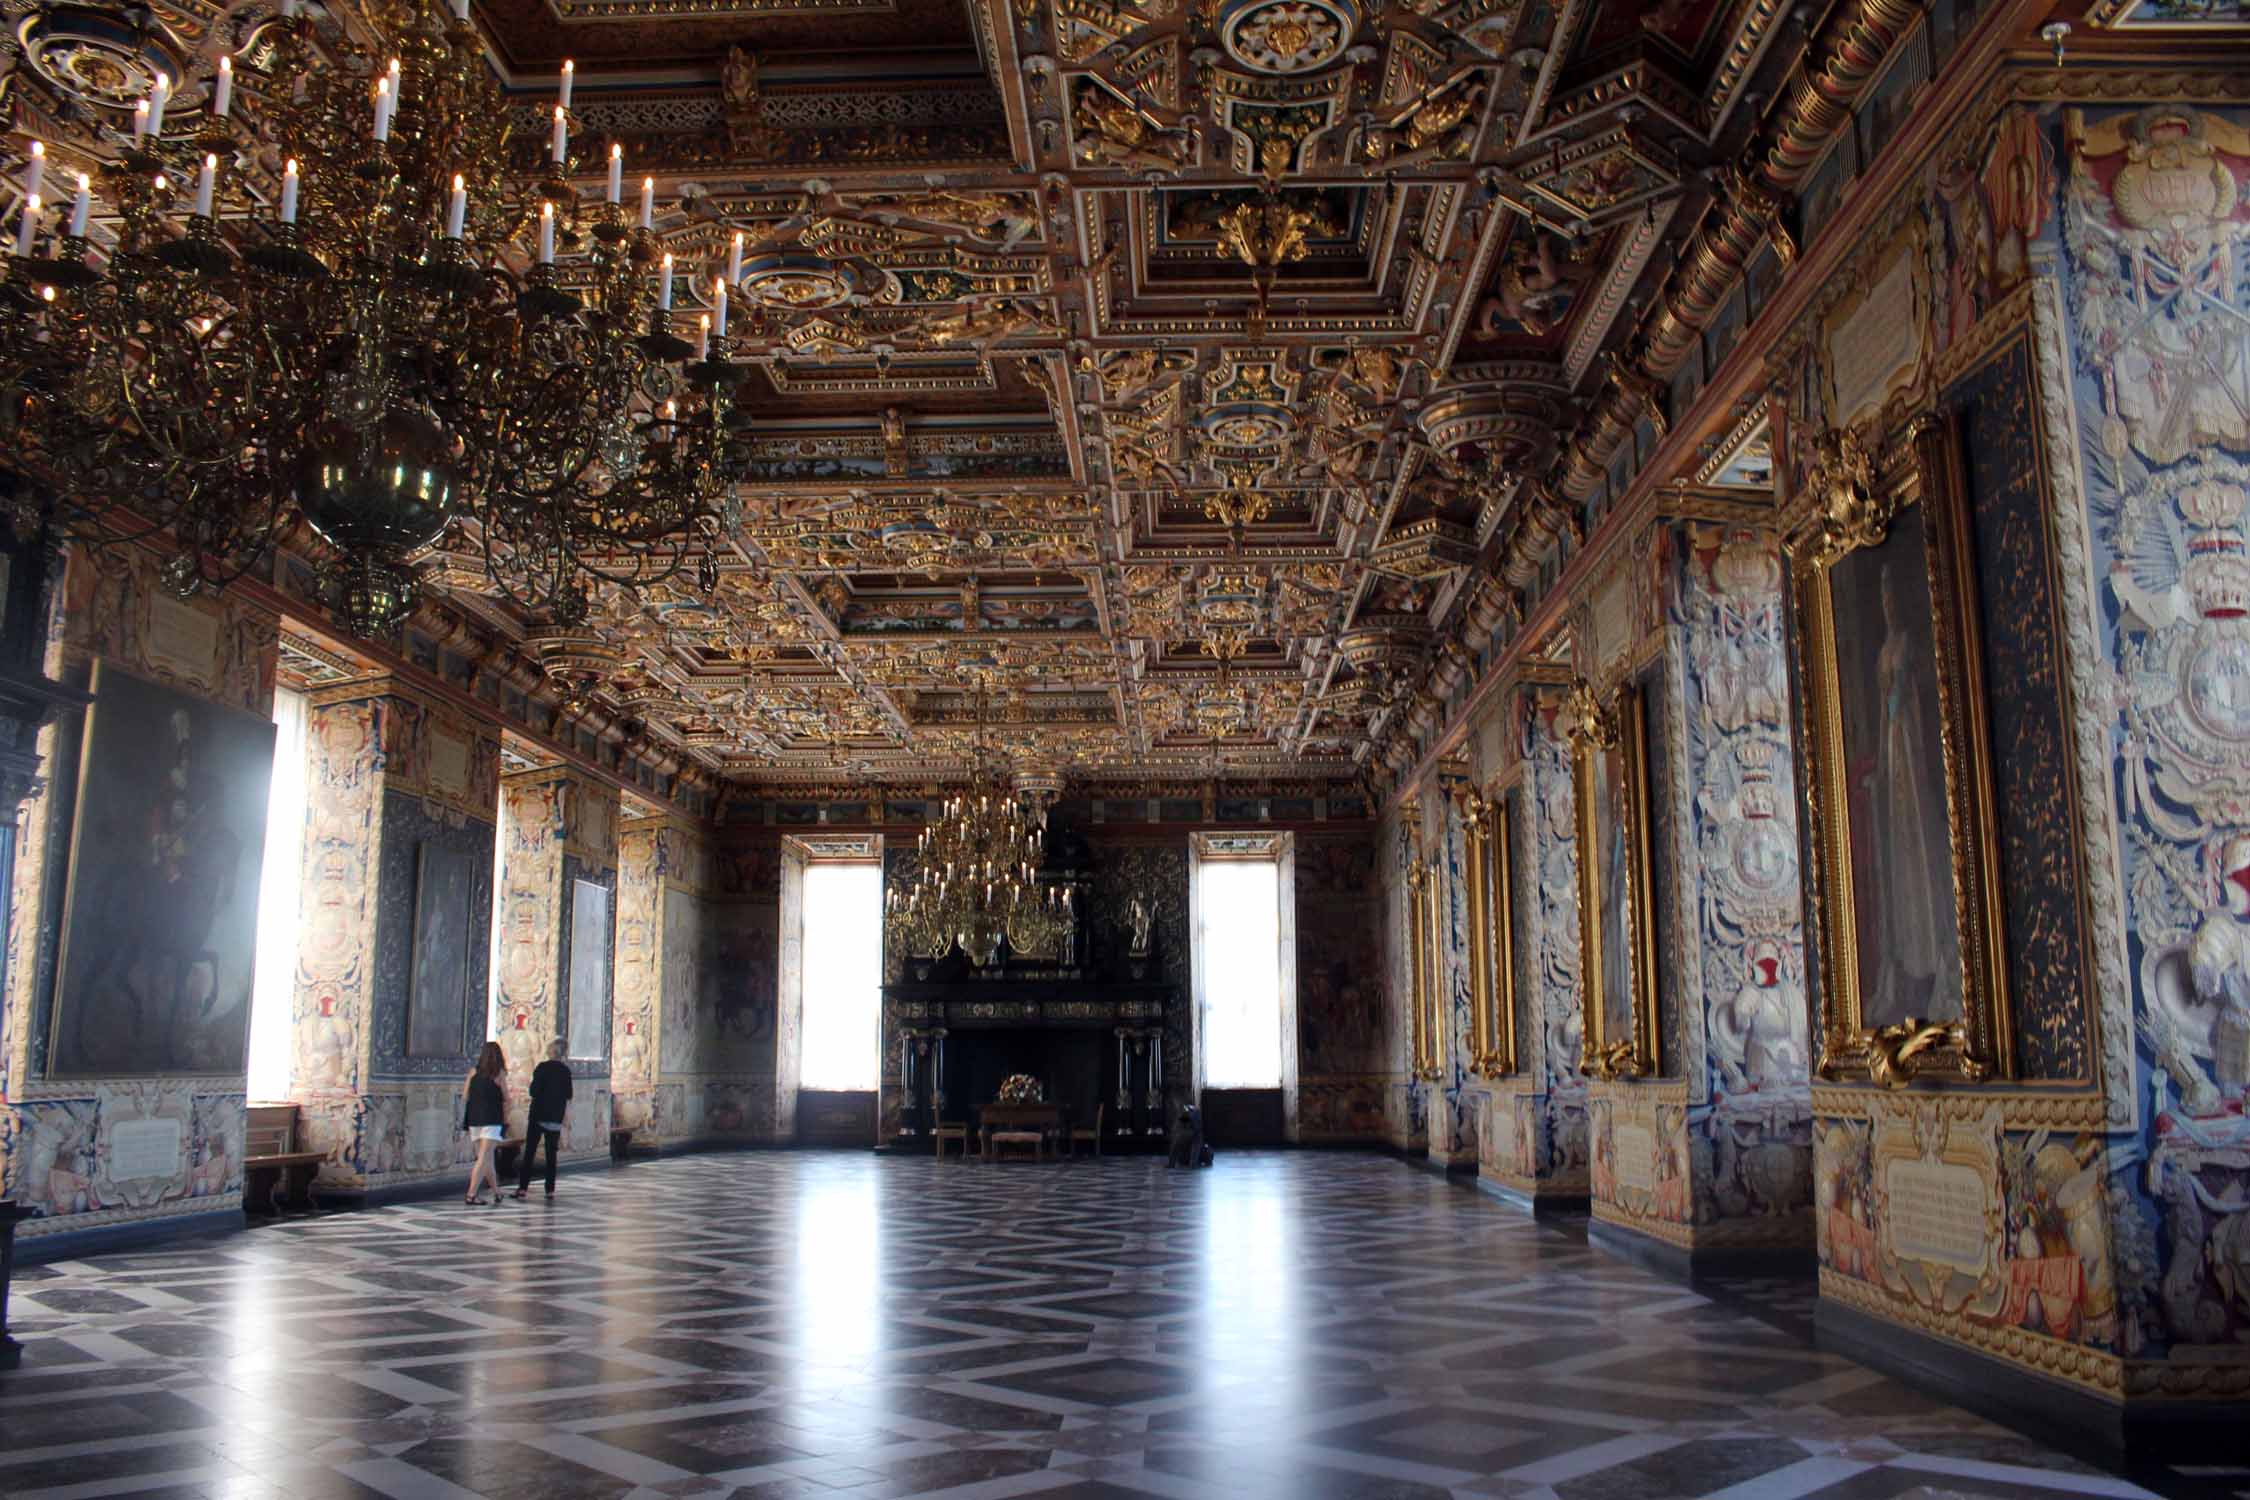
pixel 970 1004
pixel 1094 1046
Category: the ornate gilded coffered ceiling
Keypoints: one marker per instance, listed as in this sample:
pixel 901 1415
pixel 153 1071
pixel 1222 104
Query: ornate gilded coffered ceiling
pixel 1174 374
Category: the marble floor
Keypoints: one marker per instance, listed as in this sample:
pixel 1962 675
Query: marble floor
pixel 761 1324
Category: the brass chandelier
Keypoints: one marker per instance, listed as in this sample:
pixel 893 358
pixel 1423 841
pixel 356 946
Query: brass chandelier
pixel 387 350
pixel 976 880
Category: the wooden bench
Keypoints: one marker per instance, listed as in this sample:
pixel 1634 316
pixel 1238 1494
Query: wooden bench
pixel 277 1178
pixel 621 1144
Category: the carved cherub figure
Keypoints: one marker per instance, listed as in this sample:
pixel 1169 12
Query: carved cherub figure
pixel 997 218
pixel 1128 373
pixel 987 323
pixel 1534 288
pixel 1114 133
pixel 1441 126
pixel 1371 371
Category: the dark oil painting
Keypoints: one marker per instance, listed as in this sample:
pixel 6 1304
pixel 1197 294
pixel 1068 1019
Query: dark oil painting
pixel 160 933
pixel 437 1014
pixel 1894 757
pixel 1613 915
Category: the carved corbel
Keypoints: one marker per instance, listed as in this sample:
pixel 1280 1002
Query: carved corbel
pixel 1617 1060
pixel 1852 511
pixel 1754 201
pixel 1892 1051
pixel 1452 666
pixel 1638 391
pixel 1592 723
pixel 1492 604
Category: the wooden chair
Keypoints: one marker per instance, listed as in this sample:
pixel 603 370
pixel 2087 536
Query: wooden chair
pixel 996 1141
pixel 953 1130
pixel 1094 1135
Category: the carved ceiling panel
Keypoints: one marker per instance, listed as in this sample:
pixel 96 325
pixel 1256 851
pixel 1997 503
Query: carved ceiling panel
pixel 1172 374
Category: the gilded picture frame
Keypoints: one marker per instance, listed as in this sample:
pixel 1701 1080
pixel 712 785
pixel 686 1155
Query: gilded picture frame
pixel 1906 883
pixel 1422 908
pixel 1616 928
pixel 1492 945
pixel 1433 947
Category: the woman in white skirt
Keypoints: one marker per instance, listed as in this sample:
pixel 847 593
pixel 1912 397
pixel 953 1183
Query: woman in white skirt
pixel 484 1117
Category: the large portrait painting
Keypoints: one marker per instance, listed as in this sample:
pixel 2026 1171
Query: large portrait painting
pixel 1492 945
pixel 588 991
pixel 437 1012
pixel 1615 934
pixel 1909 945
pixel 1908 936
pixel 160 929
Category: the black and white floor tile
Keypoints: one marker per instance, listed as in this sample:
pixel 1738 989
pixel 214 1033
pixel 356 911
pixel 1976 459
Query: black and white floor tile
pixel 761 1325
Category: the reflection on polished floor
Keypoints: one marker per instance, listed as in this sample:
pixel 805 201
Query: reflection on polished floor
pixel 1301 1325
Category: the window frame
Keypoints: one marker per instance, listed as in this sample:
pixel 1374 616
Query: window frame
pixel 1265 847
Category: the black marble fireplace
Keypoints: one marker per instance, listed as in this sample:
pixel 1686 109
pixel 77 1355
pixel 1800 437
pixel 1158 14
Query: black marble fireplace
pixel 1092 1046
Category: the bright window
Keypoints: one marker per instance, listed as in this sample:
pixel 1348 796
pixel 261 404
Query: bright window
pixel 273 979
pixel 1238 929
pixel 843 1042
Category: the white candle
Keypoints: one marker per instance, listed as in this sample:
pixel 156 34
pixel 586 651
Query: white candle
pixel 140 121
pixel 616 172
pixel 734 260
pixel 203 186
pixel 29 227
pixel 664 298
pixel 36 174
pixel 648 202
pixel 289 9
pixel 719 306
pixel 222 98
pixel 569 75
pixel 460 10
pixel 79 206
pixel 289 191
pixel 382 109
pixel 156 97
pixel 703 336
pixel 456 208
pixel 546 234
pixel 562 136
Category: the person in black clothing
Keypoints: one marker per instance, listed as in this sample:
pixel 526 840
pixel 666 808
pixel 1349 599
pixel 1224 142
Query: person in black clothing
pixel 484 1117
pixel 550 1099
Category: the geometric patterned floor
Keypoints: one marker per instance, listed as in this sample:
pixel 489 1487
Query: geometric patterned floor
pixel 1303 1324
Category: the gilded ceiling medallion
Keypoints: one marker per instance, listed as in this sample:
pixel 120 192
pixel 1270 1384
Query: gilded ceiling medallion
pixel 801 283
pixel 1249 424
pixel 1287 36
pixel 96 56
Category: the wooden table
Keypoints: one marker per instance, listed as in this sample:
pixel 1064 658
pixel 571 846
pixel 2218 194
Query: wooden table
pixel 1047 1119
